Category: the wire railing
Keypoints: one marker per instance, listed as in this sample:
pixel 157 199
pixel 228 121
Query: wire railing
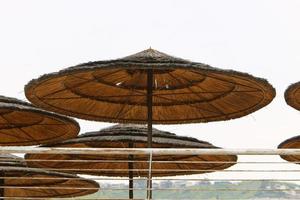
pixel 258 174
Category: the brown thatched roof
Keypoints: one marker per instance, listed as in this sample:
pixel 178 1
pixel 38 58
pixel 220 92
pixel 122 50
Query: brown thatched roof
pixel 292 143
pixel 51 184
pixel 183 91
pixel 292 95
pixel 23 124
pixel 131 136
pixel 125 133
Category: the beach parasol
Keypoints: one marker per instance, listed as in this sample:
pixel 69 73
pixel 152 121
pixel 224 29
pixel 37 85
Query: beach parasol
pixel 292 95
pixel 150 87
pixel 23 124
pixel 19 181
pixel 292 143
pixel 292 98
pixel 132 136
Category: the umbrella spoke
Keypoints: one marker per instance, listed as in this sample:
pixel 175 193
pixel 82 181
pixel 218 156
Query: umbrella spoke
pixel 76 85
pixel 192 105
pixel 225 80
pixel 127 100
pixel 25 133
pixel 220 111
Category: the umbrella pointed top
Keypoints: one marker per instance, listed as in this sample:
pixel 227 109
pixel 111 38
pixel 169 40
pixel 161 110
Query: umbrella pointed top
pixel 152 55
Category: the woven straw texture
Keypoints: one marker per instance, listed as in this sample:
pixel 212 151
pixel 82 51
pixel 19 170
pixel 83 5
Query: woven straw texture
pixel 292 95
pixel 23 124
pixel 11 166
pixel 183 91
pixel 292 143
pixel 127 136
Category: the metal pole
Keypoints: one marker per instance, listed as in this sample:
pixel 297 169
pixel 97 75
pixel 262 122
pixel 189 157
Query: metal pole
pixel 149 188
pixel 130 173
pixel 149 118
pixel 2 174
pixel 149 104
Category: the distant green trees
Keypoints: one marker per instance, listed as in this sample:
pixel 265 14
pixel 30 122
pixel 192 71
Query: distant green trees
pixel 208 190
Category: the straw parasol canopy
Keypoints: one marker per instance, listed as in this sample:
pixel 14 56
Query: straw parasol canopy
pixel 181 91
pixel 292 95
pixel 150 87
pixel 132 136
pixel 19 181
pixel 23 124
pixel 292 143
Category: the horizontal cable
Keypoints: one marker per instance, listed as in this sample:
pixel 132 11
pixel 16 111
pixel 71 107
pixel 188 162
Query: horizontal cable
pixel 157 189
pixel 78 198
pixel 49 187
pixel 138 151
pixel 143 189
pixel 140 178
pixel 146 151
pixel 154 161
pixel 165 170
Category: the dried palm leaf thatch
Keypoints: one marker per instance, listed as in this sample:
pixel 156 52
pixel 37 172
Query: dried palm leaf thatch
pixel 292 143
pixel 132 136
pixel 23 124
pixel 292 95
pixel 183 91
pixel 19 181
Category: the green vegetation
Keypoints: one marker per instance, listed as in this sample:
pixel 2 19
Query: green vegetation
pixel 207 190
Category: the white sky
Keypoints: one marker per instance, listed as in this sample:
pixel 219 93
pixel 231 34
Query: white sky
pixel 261 37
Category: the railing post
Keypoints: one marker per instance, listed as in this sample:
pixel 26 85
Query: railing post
pixel 149 180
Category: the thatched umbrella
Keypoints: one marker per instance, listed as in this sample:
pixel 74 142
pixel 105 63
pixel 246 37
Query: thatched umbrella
pixel 150 87
pixel 292 143
pixel 292 98
pixel 23 124
pixel 292 95
pixel 132 136
pixel 19 181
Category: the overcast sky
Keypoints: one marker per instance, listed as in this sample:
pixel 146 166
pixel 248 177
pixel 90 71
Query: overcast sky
pixel 260 37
